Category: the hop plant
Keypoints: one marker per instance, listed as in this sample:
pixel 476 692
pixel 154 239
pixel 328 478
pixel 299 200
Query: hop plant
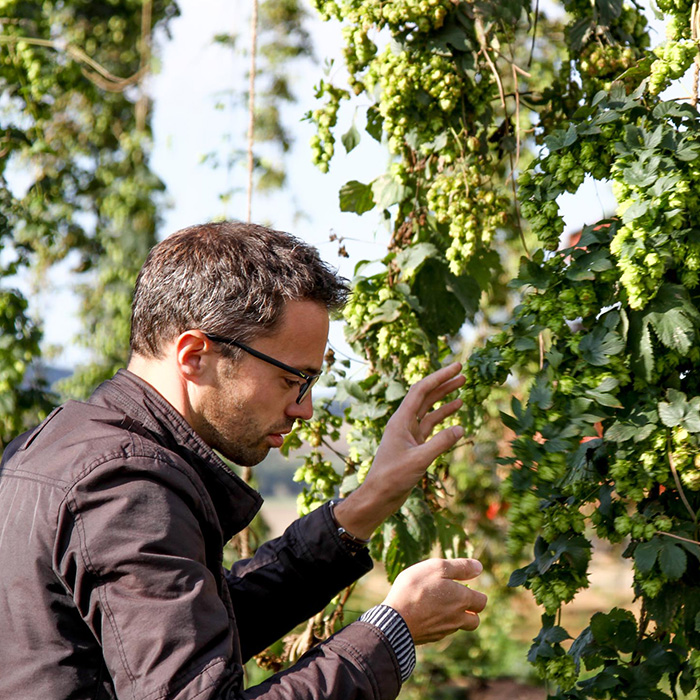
pixel 472 212
pixel 673 60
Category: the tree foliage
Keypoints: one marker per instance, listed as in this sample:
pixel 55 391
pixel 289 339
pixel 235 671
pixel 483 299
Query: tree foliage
pixel 74 165
pixel 597 338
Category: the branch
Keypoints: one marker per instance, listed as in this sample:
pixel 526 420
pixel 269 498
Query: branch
pixel 101 76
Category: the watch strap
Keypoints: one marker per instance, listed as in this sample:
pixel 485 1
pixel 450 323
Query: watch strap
pixel 352 543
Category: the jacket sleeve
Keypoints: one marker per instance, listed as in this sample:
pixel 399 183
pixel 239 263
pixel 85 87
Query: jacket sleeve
pixel 136 560
pixel 290 579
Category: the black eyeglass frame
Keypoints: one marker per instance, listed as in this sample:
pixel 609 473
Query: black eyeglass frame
pixel 309 379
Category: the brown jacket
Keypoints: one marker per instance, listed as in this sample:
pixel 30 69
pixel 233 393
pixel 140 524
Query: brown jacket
pixel 113 516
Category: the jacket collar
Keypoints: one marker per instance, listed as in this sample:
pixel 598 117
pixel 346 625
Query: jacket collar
pixel 236 503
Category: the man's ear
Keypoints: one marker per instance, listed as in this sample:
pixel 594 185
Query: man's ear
pixel 193 354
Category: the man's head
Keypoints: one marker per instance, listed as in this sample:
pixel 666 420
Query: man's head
pixel 228 279
pixel 229 324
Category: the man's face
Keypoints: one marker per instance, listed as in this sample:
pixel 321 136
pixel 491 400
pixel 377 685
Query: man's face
pixel 251 404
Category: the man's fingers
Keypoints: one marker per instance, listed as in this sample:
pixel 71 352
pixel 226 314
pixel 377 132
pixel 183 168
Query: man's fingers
pixel 429 451
pixel 462 569
pixel 471 622
pixel 432 384
pixel 428 424
pixel 440 392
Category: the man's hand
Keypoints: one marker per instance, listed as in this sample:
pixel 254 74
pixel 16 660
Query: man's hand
pixel 405 453
pixel 431 601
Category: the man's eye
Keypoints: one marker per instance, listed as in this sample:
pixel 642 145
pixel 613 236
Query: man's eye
pixel 293 383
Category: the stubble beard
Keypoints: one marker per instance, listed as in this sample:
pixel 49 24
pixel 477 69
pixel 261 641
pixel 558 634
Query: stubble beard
pixel 237 435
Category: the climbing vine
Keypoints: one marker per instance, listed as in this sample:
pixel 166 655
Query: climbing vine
pixel 596 339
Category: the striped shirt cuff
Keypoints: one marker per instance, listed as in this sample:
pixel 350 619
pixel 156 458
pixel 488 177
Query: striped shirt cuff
pixel 393 626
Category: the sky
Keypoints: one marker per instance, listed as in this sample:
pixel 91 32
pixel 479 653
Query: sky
pixel 194 74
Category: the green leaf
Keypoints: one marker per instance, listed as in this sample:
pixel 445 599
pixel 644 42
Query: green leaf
pixel 645 554
pixel 451 535
pixel 646 352
pixel 603 399
pixel 609 10
pixel 467 291
pixel 639 424
pixel 573 549
pixel 368 411
pixel 561 139
pixel 410 259
pixel 531 273
pixel 351 138
pixel 638 209
pixel 580 32
pixel 420 523
pixel 521 421
pixel 441 313
pixel 596 347
pixel 541 392
pixel 620 432
pixel 673 560
pixel 693 548
pixel 519 577
pixel 608 384
pixel 356 197
pixel 547 643
pixel 617 629
pixel 452 35
pixel 672 414
pixel 673 317
pixel 523 344
pixel 554 357
pixel 375 124
pixel 584 266
pixel 581 647
pixel 581 463
pixel 400 549
pixel 679 411
pixel 395 391
pixel 387 191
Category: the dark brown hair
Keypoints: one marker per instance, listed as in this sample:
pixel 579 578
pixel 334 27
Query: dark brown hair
pixel 229 279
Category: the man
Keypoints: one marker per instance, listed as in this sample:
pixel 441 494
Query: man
pixel 114 512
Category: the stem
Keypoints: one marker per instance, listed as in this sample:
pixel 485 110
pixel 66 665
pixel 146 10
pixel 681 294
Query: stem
pixel 679 486
pixel 534 32
pixel 145 51
pixel 677 537
pixel 251 103
pixel 247 472
pixel 517 122
pixel 695 34
pixel 485 51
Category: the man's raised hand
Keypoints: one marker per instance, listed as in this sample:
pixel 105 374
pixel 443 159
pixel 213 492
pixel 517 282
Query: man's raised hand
pixel 405 452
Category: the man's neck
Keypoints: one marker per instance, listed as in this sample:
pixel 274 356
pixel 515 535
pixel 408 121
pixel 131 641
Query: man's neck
pixel 158 373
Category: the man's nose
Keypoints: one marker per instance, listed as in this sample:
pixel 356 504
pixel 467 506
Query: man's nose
pixel 303 410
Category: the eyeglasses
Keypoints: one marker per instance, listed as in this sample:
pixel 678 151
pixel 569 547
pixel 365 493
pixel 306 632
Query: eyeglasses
pixel 309 379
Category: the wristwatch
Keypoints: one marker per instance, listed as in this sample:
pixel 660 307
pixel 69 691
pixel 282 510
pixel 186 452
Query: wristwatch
pixel 353 544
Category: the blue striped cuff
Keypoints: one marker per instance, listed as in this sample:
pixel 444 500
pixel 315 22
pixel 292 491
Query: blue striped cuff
pixel 393 626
